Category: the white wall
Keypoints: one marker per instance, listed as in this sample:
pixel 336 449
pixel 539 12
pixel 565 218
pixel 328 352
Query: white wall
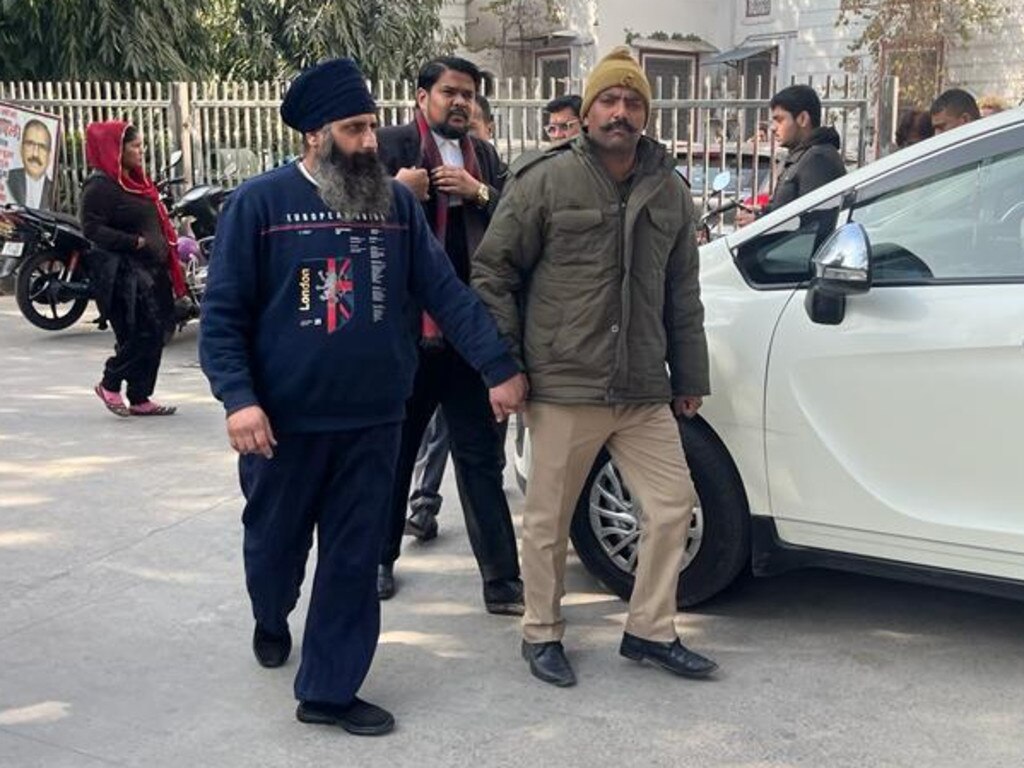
pixel 992 63
pixel 710 19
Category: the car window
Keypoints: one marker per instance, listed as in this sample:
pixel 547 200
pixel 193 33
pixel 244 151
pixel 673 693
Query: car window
pixel 782 255
pixel 966 224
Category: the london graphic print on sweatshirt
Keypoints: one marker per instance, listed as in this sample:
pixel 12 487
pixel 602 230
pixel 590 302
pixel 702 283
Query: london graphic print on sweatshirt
pixel 327 296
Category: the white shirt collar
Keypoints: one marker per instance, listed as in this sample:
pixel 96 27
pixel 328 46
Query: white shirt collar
pixel 306 173
pixel 34 191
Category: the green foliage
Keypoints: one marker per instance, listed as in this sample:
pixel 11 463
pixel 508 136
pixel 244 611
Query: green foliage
pixel 99 39
pixel 183 40
pixel 261 39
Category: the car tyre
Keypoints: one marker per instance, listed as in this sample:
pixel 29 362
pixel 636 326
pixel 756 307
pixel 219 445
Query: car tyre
pixel 723 521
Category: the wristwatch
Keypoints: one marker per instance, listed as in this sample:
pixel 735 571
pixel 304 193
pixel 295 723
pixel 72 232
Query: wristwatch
pixel 483 196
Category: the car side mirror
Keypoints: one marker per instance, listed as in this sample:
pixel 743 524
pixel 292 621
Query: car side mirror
pixel 721 181
pixel 841 267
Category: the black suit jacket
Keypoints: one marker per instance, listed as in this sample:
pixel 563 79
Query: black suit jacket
pixel 17 184
pixel 398 147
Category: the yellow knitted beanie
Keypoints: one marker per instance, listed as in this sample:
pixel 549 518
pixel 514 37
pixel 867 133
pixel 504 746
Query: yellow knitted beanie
pixel 617 69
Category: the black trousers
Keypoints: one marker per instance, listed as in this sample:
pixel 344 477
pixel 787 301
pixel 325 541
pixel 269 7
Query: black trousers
pixel 478 450
pixel 139 311
pixel 338 484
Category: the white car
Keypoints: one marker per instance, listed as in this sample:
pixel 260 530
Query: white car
pixel 867 368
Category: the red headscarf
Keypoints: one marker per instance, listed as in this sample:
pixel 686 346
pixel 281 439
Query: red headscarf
pixel 103 146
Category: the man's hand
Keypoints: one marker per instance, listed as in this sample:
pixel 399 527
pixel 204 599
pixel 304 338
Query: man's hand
pixel 687 406
pixel 453 180
pixel 509 396
pixel 417 180
pixel 745 217
pixel 249 431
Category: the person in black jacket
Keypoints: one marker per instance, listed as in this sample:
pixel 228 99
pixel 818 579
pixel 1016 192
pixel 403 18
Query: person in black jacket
pixel 122 214
pixel 813 159
pixel 457 178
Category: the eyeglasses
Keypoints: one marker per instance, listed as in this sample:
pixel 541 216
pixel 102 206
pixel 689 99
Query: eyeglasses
pixel 557 129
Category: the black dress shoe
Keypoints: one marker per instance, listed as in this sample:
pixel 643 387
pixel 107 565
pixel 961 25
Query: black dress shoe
pixel 271 650
pixel 504 597
pixel 548 663
pixel 422 524
pixel 360 717
pixel 385 582
pixel 672 656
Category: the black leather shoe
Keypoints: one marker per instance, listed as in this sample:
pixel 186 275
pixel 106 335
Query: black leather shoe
pixel 672 656
pixel 386 582
pixel 504 597
pixel 422 524
pixel 271 650
pixel 360 717
pixel 548 663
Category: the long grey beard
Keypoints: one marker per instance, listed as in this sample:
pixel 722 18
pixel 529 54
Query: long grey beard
pixel 356 186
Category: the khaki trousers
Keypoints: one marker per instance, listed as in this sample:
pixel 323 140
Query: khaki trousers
pixel 644 442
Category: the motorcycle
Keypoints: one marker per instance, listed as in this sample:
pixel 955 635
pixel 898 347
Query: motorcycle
pixel 716 211
pixel 46 253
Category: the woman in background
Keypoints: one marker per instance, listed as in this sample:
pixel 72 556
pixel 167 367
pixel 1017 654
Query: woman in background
pixel 137 264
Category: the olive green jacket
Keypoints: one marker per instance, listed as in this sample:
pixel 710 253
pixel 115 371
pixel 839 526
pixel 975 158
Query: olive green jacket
pixel 596 292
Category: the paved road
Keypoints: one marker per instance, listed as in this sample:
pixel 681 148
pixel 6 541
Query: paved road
pixel 125 630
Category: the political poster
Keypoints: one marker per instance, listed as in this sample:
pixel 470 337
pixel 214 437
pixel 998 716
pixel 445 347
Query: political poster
pixel 28 157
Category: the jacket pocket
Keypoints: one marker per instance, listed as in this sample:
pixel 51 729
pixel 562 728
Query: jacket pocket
pixel 576 236
pixel 654 238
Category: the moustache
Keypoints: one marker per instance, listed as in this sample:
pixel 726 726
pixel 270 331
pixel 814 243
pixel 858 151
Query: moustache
pixel 619 125
pixel 458 111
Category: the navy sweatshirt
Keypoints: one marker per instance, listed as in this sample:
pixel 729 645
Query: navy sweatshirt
pixel 315 318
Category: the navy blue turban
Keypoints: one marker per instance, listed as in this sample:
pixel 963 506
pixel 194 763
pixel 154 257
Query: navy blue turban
pixel 329 91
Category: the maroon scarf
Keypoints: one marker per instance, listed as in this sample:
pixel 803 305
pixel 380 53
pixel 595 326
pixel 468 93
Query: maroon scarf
pixel 432 159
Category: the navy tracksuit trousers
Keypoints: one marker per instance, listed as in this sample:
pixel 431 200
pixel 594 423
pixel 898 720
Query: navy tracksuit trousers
pixel 338 484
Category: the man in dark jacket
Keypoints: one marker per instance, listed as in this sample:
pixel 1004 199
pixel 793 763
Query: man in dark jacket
pixel 813 158
pixel 307 338
pixel 457 178
pixel 591 270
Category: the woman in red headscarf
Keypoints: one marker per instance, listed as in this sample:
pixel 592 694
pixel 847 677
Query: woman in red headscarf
pixel 123 216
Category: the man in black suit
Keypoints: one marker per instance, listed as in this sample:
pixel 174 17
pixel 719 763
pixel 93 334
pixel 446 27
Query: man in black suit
pixel 29 184
pixel 458 179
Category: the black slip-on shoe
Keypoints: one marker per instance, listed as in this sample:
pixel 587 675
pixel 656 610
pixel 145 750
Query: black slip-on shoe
pixel 271 650
pixel 360 717
pixel 674 656
pixel 386 582
pixel 422 524
pixel 504 597
pixel 549 663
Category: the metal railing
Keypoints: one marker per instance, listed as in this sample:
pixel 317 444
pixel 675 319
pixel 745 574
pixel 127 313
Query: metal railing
pixel 229 131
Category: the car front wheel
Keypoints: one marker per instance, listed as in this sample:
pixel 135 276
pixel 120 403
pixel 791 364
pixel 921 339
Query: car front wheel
pixel 606 528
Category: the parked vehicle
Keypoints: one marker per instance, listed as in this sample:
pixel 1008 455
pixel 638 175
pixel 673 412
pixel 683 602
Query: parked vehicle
pixel 867 370
pixel 44 251
pixel 711 222
pixel 47 252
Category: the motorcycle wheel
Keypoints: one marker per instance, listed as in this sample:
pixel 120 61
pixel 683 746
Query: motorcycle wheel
pixel 42 297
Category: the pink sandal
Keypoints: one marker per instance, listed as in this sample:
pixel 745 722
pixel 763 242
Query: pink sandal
pixel 149 408
pixel 112 400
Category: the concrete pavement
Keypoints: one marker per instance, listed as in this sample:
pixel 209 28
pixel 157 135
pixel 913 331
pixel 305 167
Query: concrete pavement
pixel 125 628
